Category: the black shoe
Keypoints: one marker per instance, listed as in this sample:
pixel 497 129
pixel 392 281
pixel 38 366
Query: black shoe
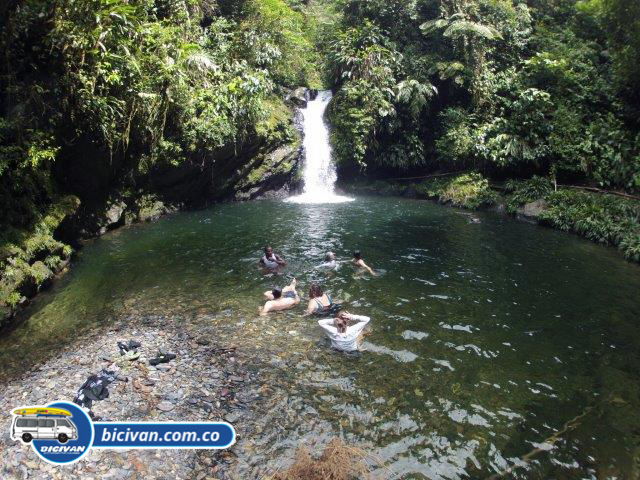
pixel 130 345
pixel 162 358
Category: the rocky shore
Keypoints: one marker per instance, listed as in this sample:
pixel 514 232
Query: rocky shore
pixel 205 382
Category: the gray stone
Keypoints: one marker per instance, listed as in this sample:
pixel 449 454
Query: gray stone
pixel 233 416
pixel 299 97
pixel 166 406
pixel 534 209
pixel 114 213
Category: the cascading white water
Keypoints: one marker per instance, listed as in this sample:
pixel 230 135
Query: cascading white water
pixel 319 171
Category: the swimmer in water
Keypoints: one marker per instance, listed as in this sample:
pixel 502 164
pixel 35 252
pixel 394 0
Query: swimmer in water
pixel 359 262
pixel 330 262
pixel 319 301
pixel 344 337
pixel 281 299
pixel 270 260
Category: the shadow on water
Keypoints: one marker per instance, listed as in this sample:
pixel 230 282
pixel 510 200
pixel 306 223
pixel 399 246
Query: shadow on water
pixel 487 335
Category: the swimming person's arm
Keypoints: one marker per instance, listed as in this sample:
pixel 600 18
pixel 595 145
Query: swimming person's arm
pixel 266 309
pixel 366 267
pixel 311 307
pixel 358 327
pixel 327 325
pixel 279 259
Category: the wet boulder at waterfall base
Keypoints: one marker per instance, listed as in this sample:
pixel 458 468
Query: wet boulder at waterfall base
pixel 276 177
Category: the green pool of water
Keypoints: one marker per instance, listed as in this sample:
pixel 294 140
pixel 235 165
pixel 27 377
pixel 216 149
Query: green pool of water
pixel 487 335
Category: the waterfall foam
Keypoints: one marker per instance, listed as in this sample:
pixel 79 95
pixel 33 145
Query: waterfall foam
pixel 319 171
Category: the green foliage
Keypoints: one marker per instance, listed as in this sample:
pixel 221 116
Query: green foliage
pixel 377 111
pixel 40 273
pixel 540 88
pixel 630 245
pixel 623 21
pixel 13 299
pixel 277 122
pixel 601 218
pixel 278 38
pixel 456 145
pixel 613 157
pixel 470 190
pixel 107 93
pixel 521 192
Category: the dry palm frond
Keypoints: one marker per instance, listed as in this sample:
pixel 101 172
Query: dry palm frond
pixel 337 462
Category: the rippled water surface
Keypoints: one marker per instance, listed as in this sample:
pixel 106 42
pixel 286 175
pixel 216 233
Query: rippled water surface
pixel 488 336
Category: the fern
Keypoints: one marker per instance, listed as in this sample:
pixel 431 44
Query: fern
pixel 467 28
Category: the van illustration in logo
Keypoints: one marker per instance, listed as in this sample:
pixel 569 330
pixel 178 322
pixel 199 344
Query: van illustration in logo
pixel 42 423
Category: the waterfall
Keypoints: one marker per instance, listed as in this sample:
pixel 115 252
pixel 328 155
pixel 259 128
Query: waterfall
pixel 319 171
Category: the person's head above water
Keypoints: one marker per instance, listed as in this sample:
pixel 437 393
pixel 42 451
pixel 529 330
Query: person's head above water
pixel 315 291
pixel 357 255
pixel 329 257
pixel 268 251
pixel 340 322
pixel 277 293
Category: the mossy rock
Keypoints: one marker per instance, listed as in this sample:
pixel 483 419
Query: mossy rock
pixel 149 208
pixel 277 126
pixel 61 209
pixel 276 171
pixel 13 280
pixel 41 274
pixel 522 192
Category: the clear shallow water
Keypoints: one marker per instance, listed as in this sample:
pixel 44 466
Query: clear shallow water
pixel 486 338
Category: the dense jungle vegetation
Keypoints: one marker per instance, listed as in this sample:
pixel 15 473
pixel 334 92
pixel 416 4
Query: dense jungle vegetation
pixel 544 86
pixel 542 91
pixel 104 100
